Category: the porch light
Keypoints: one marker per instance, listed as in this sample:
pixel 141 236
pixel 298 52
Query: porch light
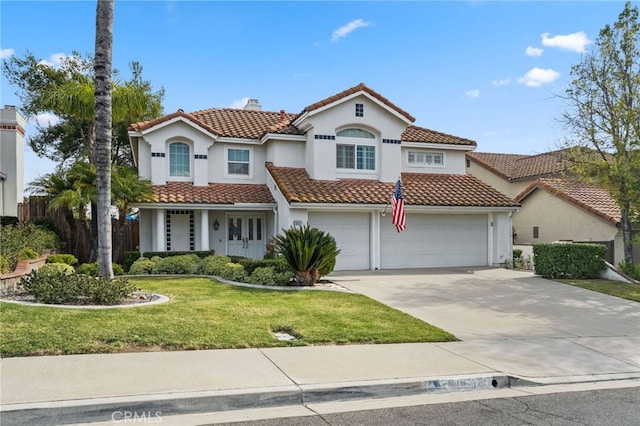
pixel 216 225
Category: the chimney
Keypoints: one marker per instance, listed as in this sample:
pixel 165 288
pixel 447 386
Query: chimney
pixel 282 115
pixel 253 105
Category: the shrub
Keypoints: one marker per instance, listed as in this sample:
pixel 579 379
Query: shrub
pixel 200 254
pixel 54 268
pixel 580 261
pixel 51 287
pixel 142 266
pixel 213 265
pixel 56 287
pixel 8 220
pixel 100 291
pixel 267 275
pixel 517 253
pixel 29 253
pixel 93 269
pixel 4 264
pixel 14 239
pixel 233 272
pixel 310 252
pixel 69 259
pixel 129 258
pixel 181 264
pixel 633 270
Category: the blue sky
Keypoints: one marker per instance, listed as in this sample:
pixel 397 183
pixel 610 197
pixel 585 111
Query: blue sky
pixel 485 70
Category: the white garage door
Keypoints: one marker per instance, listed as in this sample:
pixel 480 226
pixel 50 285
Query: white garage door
pixel 351 231
pixel 432 241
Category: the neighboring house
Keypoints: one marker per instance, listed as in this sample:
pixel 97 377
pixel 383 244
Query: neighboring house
pixel 554 206
pixel 230 179
pixel 12 126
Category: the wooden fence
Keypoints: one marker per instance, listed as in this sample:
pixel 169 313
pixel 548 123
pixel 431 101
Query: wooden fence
pixel 77 240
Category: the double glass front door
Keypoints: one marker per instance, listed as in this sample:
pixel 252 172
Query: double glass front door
pixel 245 236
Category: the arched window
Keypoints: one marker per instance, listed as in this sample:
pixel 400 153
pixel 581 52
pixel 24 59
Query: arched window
pixel 356 133
pixel 355 155
pixel 179 160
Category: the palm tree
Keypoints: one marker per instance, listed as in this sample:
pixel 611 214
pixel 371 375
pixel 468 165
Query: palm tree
pixel 102 148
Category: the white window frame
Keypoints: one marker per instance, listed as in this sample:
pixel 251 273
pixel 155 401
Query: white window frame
pixel 355 157
pixel 425 159
pixel 226 163
pixel 187 178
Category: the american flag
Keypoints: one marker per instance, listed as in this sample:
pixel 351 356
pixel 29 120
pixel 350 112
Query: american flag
pixel 397 203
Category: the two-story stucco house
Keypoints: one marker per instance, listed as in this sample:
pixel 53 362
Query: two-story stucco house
pixel 229 179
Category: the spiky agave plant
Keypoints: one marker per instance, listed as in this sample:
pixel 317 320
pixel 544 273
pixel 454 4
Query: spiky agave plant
pixel 311 253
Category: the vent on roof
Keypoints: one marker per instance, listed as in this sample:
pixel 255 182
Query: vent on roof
pixel 253 105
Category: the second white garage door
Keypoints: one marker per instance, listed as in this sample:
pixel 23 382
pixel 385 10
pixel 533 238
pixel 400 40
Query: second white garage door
pixel 432 241
pixel 351 231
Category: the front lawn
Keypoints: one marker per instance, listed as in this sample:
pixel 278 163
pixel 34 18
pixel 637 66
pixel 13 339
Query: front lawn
pixel 612 288
pixel 206 314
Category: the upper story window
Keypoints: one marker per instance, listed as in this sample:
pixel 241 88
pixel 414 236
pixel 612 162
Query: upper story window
pixel 428 159
pixel 356 133
pixel 359 110
pixel 355 156
pixel 179 160
pixel 239 162
pixel 359 157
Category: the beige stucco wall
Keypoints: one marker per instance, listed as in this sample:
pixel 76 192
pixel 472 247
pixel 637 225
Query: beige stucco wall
pixel 560 221
pixel 510 189
pixel 11 161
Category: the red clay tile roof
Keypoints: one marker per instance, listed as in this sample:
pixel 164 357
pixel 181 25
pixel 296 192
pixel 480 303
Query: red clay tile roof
pixel 589 197
pixel 241 123
pixel 356 89
pixel 421 134
pixel 515 167
pixel 418 190
pixel 214 193
pixel 144 125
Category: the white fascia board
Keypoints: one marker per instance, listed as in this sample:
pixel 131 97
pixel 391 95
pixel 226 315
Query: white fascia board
pixel 277 136
pixel 187 206
pixel 438 146
pixel 336 207
pixel 244 141
pixel 175 120
pixel 454 210
pixel 298 121
pixel 365 94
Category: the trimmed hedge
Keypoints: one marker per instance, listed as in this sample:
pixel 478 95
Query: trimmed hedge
pixel 580 261
pixel 200 254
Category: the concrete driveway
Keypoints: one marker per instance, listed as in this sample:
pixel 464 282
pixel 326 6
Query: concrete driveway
pixel 492 303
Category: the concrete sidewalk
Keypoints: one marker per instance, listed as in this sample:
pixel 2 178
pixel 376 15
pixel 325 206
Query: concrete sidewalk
pixel 518 331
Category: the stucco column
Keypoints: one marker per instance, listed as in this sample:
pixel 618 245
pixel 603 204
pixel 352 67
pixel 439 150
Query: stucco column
pixel 159 243
pixel 204 230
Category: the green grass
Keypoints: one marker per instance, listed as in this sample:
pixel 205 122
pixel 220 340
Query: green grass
pixel 206 314
pixel 612 288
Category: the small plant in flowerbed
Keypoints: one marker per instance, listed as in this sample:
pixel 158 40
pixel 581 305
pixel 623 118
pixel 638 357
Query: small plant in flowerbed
pixel 58 283
pixel 263 272
pixel 93 269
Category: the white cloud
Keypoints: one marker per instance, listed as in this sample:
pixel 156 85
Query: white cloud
pixel 44 119
pixel 6 53
pixel 503 82
pixel 536 77
pixel 533 51
pixel 576 41
pixel 346 29
pixel 472 94
pixel 54 60
pixel 239 103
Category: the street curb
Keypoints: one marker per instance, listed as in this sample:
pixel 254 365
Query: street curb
pixel 148 407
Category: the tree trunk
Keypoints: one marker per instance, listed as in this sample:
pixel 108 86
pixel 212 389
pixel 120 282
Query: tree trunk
pixel 102 148
pixel 627 234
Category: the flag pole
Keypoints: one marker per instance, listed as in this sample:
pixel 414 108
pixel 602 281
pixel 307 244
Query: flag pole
pixel 384 211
